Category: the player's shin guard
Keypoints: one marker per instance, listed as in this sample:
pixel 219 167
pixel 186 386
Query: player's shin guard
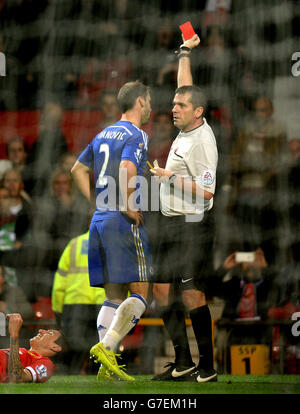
pixel 105 318
pixel 126 317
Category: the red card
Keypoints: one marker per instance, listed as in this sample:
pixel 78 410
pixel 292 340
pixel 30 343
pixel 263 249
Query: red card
pixel 187 30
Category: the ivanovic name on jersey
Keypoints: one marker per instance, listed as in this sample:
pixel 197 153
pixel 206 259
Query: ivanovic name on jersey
pixel 112 134
pixel 118 142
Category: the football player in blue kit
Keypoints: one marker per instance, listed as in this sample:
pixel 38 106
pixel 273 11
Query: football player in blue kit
pixel 119 253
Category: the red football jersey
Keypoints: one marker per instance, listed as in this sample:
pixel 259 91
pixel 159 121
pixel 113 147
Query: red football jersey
pixel 40 367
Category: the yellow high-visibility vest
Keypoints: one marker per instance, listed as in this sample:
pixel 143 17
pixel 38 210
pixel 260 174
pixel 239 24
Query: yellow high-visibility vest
pixel 71 281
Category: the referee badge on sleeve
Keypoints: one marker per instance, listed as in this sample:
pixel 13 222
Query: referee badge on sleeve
pixel 208 177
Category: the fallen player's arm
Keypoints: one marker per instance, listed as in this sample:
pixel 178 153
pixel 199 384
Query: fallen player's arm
pixel 81 175
pixel 16 373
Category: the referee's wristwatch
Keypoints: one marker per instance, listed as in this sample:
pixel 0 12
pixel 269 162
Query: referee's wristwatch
pixel 172 179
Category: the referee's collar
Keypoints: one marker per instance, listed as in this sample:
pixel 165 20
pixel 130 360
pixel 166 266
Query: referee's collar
pixel 194 129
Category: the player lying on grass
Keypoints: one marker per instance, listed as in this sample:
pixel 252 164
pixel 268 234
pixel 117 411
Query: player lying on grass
pixel 33 365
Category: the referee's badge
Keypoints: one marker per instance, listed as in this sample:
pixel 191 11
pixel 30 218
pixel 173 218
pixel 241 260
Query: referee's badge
pixel 208 177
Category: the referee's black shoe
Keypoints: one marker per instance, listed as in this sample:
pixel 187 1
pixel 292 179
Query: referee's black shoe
pixel 200 375
pixel 173 373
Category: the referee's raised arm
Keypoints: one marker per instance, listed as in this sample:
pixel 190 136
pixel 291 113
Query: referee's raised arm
pixel 184 74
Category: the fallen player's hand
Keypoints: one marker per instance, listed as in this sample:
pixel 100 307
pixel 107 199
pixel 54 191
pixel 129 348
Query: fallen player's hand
pixel 15 324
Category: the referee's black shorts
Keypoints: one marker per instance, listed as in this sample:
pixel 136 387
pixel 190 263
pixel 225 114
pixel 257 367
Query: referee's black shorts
pixel 185 252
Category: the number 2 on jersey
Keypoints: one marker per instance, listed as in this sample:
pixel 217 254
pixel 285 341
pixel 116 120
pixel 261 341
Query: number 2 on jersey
pixel 102 181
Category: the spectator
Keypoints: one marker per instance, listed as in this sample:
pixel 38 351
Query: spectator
pixel 21 231
pixel 12 298
pixel 163 136
pixel 247 290
pixel 20 207
pixel 67 161
pixel 76 303
pixel 17 153
pixel 247 294
pixel 47 150
pixel 5 214
pixel 62 215
pixel 257 155
pixel 109 107
pixel 7 231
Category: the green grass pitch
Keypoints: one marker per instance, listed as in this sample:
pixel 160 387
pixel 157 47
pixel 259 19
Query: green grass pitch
pixel 227 384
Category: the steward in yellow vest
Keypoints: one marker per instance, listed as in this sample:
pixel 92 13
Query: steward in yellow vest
pixel 71 282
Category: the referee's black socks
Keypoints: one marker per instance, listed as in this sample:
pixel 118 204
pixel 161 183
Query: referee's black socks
pixel 201 322
pixel 174 320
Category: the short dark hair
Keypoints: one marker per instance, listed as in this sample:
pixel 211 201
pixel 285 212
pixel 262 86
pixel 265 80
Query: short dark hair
pixel 62 340
pixel 198 97
pixel 129 93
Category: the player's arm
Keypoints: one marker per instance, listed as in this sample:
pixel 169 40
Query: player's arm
pixel 127 181
pixel 184 74
pixel 16 373
pixel 81 175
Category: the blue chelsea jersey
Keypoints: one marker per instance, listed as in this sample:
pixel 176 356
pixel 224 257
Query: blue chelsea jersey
pixel 118 142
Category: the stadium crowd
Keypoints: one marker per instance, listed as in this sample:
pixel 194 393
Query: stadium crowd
pixel 74 55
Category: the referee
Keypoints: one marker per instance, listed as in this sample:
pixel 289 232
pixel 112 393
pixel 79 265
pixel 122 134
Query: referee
pixel 187 231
